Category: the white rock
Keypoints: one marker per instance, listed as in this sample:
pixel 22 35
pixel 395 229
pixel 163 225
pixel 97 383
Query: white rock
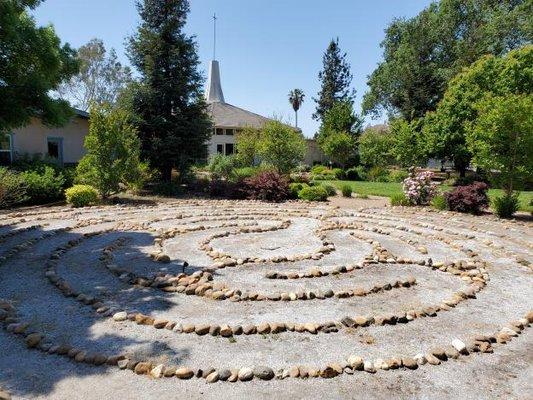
pixel 157 372
pixel 120 316
pixel 420 359
pixel 458 345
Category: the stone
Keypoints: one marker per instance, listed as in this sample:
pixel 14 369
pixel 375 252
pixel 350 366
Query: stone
pixel 212 377
pixel 361 320
pixel 120 316
pixel 160 323
pixel 226 331
pixel 263 328
pixel 420 359
pixel 158 371
pixel 224 374
pixel 310 327
pixel 245 374
pixel 202 329
pixel 439 353
pixel 264 373
pixel 143 368
pixel 328 372
pixel 356 362
pixel 409 363
pixel 294 372
pixel 184 373
pixel 33 339
pixel 459 346
pixel 368 366
pixel 431 359
pixel 249 330
pixel 122 364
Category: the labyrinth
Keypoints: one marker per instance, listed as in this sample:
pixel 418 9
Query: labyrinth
pixel 230 291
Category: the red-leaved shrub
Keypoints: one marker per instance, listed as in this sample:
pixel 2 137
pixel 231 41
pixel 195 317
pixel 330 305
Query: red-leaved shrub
pixel 267 186
pixel 468 199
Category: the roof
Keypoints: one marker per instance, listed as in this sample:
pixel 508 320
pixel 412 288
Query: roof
pixel 81 113
pixel 224 114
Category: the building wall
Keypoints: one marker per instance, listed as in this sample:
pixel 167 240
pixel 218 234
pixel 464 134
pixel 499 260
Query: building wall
pixel 33 138
pixel 313 154
pixel 220 139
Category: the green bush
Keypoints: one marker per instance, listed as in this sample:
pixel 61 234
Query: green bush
pixel 319 169
pixel 354 174
pixel 222 167
pixel 378 174
pixel 43 187
pixel 346 190
pixel 398 175
pixel 295 187
pixel 399 200
pixel 240 174
pixel 12 188
pixel 339 173
pixel 81 195
pixel 439 203
pixel 313 193
pixel 506 206
pixel 330 189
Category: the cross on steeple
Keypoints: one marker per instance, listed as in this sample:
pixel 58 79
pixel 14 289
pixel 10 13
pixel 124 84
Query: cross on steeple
pixel 214 36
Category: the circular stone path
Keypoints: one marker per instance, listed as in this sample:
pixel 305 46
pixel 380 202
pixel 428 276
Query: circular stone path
pixel 241 293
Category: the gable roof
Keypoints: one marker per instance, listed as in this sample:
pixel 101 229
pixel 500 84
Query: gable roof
pixel 224 114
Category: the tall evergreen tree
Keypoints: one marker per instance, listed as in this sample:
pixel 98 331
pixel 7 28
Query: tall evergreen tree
pixel 171 112
pixel 33 62
pixel 335 79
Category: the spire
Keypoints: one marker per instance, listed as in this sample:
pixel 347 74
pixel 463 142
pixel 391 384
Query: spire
pixel 213 91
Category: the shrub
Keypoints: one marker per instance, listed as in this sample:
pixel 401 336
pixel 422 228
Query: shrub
pixel 418 187
pixel 378 174
pixel 330 189
pixel 468 199
pixel 399 200
pixel 295 187
pixel 319 169
pixel 81 195
pixel 267 186
pixel 439 203
pixel 346 190
pixel 353 174
pixel 240 174
pixel 470 179
pixel 43 187
pixel 339 173
pixel 12 188
pixel 362 196
pixel 313 193
pixel 299 177
pixel 398 175
pixel 221 166
pixel 506 206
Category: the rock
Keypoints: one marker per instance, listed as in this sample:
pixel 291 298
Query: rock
pixel 431 359
pixel 184 373
pixel 362 320
pixel 264 373
pixel 328 372
pixel 123 364
pixel 120 316
pixel 4 395
pixel 212 377
pixel 225 331
pixel 169 372
pixel 249 330
pixel 310 327
pixel 162 258
pixel 459 346
pixel 224 374
pixel 158 371
pixel 33 339
pixel 263 328
pixel 356 362
pixel 368 366
pixel 420 359
pixel 160 323
pixel 143 368
pixel 294 372
pixel 381 364
pixel 202 329
pixel 409 363
pixel 245 374
pixel 277 327
pixel 347 321
pixel 439 353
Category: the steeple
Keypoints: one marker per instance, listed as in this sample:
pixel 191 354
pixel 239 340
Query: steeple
pixel 213 91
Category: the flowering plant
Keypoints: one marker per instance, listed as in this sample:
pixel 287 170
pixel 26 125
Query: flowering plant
pixel 418 187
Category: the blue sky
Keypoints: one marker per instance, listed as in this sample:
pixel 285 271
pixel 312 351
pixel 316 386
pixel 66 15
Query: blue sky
pixel 265 48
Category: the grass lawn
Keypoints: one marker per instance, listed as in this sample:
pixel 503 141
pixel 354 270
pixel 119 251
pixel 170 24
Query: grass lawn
pixel 387 189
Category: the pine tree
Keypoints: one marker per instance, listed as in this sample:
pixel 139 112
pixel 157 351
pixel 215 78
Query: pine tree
pixel 335 78
pixel 173 124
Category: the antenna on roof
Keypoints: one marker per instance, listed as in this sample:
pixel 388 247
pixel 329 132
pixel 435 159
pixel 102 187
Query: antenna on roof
pixel 214 36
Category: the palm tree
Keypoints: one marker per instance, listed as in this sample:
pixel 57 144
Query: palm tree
pixel 296 98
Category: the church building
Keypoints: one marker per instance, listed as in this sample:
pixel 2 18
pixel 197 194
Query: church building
pixel 228 120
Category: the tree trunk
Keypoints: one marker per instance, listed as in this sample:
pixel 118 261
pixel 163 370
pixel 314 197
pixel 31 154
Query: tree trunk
pixel 296 112
pixel 166 174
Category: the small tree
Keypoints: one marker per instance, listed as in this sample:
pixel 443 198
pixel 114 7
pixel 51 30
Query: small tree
pixel 339 146
pixel 281 146
pixel 501 139
pixel 408 145
pixel 247 142
pixel 113 150
pixel 376 147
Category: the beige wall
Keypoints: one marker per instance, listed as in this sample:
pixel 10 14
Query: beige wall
pixel 32 139
pixel 220 139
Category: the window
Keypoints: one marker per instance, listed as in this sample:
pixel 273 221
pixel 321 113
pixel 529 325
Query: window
pixel 219 131
pixel 230 132
pixel 6 149
pixel 229 148
pixel 220 149
pixel 55 148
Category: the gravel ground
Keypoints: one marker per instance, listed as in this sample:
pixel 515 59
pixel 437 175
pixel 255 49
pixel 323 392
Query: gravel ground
pixel 504 246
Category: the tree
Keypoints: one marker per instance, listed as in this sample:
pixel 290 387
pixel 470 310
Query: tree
pixel 335 79
pixel 375 147
pixel 422 54
pixel 171 112
pixel 296 98
pixel 32 64
pixel 113 151
pixel 247 142
pixel 100 79
pixel 501 139
pixel 340 126
pixel 281 146
pixel 339 146
pixel 409 148
pixel 445 129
